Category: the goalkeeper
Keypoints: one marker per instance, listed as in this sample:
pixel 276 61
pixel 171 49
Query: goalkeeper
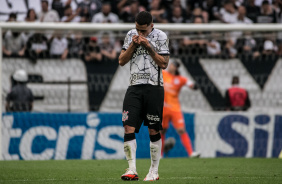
pixel 173 83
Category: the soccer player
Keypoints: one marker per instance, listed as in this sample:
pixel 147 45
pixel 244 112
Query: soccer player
pixel 146 49
pixel 173 83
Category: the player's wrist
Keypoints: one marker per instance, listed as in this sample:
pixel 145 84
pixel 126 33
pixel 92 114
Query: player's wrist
pixel 134 45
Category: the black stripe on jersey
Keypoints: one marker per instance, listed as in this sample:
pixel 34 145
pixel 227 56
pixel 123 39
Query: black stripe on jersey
pixel 159 81
pixel 164 54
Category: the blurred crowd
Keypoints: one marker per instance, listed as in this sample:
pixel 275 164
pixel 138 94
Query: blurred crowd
pixel 105 45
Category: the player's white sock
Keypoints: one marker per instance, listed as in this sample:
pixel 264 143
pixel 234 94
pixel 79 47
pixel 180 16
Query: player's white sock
pixel 130 153
pixel 155 151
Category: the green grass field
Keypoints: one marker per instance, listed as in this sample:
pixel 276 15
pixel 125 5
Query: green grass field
pixel 178 170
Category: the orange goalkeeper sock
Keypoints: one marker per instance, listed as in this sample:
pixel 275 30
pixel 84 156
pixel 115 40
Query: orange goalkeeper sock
pixel 186 143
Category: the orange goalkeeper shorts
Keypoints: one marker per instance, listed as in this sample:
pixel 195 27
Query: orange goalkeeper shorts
pixel 175 117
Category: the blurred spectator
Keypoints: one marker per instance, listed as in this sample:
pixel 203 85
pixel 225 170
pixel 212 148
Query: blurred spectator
pixel 241 18
pixel 176 16
pixel 178 3
pixel 269 48
pixel 12 17
pixel 213 46
pixel 252 10
pixel 197 43
pixel 279 11
pixel 157 11
pixel 69 16
pixel 59 46
pixel 130 7
pixel 31 16
pixel 237 98
pixel 14 44
pixel 20 98
pixel 188 14
pixel 129 13
pixel 106 16
pixel 37 47
pixel 76 45
pixel 92 51
pixel 211 7
pixel 47 15
pixel 247 45
pixel 228 13
pixel 89 8
pixel 59 6
pixel 84 18
pixel 276 6
pixel 108 50
pixel 197 12
pixel 229 50
pixel 267 13
pixel 259 2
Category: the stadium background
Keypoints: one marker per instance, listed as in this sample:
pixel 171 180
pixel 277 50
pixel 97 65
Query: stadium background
pixel 77 102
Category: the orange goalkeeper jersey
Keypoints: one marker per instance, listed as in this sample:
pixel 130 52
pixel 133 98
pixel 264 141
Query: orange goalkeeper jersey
pixel 172 87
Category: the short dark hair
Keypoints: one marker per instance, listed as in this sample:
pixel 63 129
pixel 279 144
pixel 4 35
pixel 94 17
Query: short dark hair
pixel 235 80
pixel 144 17
pixel 12 15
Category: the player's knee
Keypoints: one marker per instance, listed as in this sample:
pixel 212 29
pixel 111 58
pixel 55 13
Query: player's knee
pixel 128 129
pixel 181 131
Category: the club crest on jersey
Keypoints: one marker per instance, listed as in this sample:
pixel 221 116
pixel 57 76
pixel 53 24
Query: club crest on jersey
pixel 139 51
pixel 125 115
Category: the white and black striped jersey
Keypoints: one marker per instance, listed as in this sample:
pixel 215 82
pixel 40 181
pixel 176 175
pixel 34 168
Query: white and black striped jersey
pixel 143 69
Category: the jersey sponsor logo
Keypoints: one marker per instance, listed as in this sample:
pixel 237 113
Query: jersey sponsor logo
pixel 150 123
pixel 125 115
pixel 153 117
pixel 140 51
pixel 137 76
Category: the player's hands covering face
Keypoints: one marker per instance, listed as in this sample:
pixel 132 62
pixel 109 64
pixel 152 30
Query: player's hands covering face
pixel 143 41
pixel 135 40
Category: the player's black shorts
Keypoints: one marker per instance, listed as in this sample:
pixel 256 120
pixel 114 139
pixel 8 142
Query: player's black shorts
pixel 143 103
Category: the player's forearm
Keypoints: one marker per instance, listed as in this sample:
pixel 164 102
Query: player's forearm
pixel 162 61
pixel 126 55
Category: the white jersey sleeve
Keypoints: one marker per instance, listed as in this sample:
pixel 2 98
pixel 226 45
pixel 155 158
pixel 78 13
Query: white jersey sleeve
pixel 162 44
pixel 128 39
